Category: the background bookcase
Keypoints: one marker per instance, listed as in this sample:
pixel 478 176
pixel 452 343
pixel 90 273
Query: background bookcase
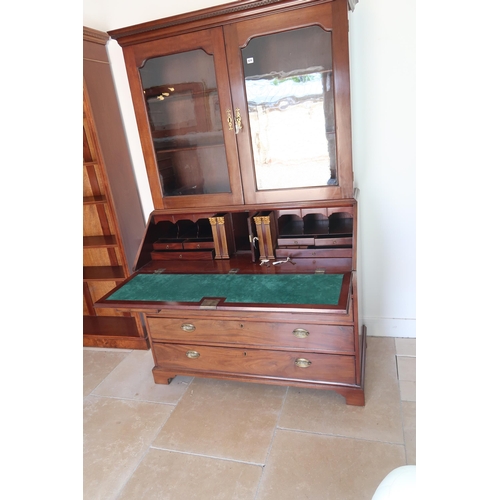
pixel 113 223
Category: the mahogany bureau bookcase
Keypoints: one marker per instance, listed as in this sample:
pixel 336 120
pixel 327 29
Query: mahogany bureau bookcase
pixel 247 268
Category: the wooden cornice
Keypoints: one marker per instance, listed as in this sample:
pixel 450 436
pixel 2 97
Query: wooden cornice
pixel 95 36
pixel 216 15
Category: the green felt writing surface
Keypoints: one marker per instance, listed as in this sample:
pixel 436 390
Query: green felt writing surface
pixel 236 288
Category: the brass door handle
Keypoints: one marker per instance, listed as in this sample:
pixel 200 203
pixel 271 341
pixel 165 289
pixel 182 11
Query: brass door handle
pixel 300 333
pixel 192 354
pixel 302 362
pixel 188 327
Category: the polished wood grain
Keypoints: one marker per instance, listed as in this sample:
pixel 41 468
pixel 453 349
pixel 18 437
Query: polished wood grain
pixel 280 336
pixel 270 364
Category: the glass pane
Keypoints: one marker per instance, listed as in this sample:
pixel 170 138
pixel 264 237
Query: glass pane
pixel 288 80
pixel 183 109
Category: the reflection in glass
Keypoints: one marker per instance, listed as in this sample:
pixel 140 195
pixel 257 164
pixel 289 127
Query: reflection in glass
pixel 288 80
pixel 184 116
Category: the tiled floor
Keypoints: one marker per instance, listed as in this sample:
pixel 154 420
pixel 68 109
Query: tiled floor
pixel 213 440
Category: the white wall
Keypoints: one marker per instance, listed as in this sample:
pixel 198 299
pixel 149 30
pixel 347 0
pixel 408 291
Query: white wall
pixel 382 37
pixel 382 42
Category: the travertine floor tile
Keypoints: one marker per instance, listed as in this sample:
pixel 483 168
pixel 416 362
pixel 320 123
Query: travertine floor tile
pixel 408 390
pixel 407 368
pixel 410 426
pixel 406 347
pixel 321 467
pixel 170 475
pixel 97 365
pixel 326 412
pixel 116 435
pixel 133 379
pixel 224 419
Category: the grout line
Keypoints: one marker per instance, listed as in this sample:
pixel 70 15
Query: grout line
pixel 122 398
pixel 401 416
pixel 271 443
pixel 101 382
pixel 300 431
pixel 207 456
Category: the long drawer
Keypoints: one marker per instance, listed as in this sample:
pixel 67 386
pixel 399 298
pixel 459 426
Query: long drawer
pixel 306 337
pixel 192 360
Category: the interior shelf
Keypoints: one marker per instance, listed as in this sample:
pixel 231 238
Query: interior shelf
pixel 93 200
pixel 103 273
pixel 112 331
pixel 99 241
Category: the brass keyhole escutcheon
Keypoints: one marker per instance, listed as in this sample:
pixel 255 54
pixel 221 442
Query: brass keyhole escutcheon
pixel 229 117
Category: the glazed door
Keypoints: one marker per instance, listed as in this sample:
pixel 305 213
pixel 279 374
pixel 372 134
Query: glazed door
pixel 290 84
pixel 183 106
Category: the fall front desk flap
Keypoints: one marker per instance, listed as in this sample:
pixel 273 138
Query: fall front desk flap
pixel 278 289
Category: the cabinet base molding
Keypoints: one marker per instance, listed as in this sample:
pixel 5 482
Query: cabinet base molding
pixel 354 395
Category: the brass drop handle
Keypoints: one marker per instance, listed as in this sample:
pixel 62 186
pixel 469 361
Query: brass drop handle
pixel 229 116
pixel 302 362
pixel 188 327
pixel 238 126
pixel 300 333
pixel 192 354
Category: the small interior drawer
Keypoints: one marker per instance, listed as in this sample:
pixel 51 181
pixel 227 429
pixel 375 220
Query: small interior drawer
pixel 198 244
pixel 332 242
pixel 168 244
pixel 313 253
pixel 183 255
pixel 294 241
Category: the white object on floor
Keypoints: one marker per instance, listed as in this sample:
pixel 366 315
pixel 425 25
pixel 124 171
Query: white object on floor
pixel 399 484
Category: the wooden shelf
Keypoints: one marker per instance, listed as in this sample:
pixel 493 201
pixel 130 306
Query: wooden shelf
pixel 99 241
pixel 93 200
pixel 103 273
pixel 111 331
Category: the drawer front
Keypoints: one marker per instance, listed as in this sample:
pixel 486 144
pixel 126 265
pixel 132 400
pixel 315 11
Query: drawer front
pixel 197 245
pixel 171 245
pixel 255 333
pixel 284 242
pixel 327 242
pixel 314 252
pixel 188 255
pixel 191 359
